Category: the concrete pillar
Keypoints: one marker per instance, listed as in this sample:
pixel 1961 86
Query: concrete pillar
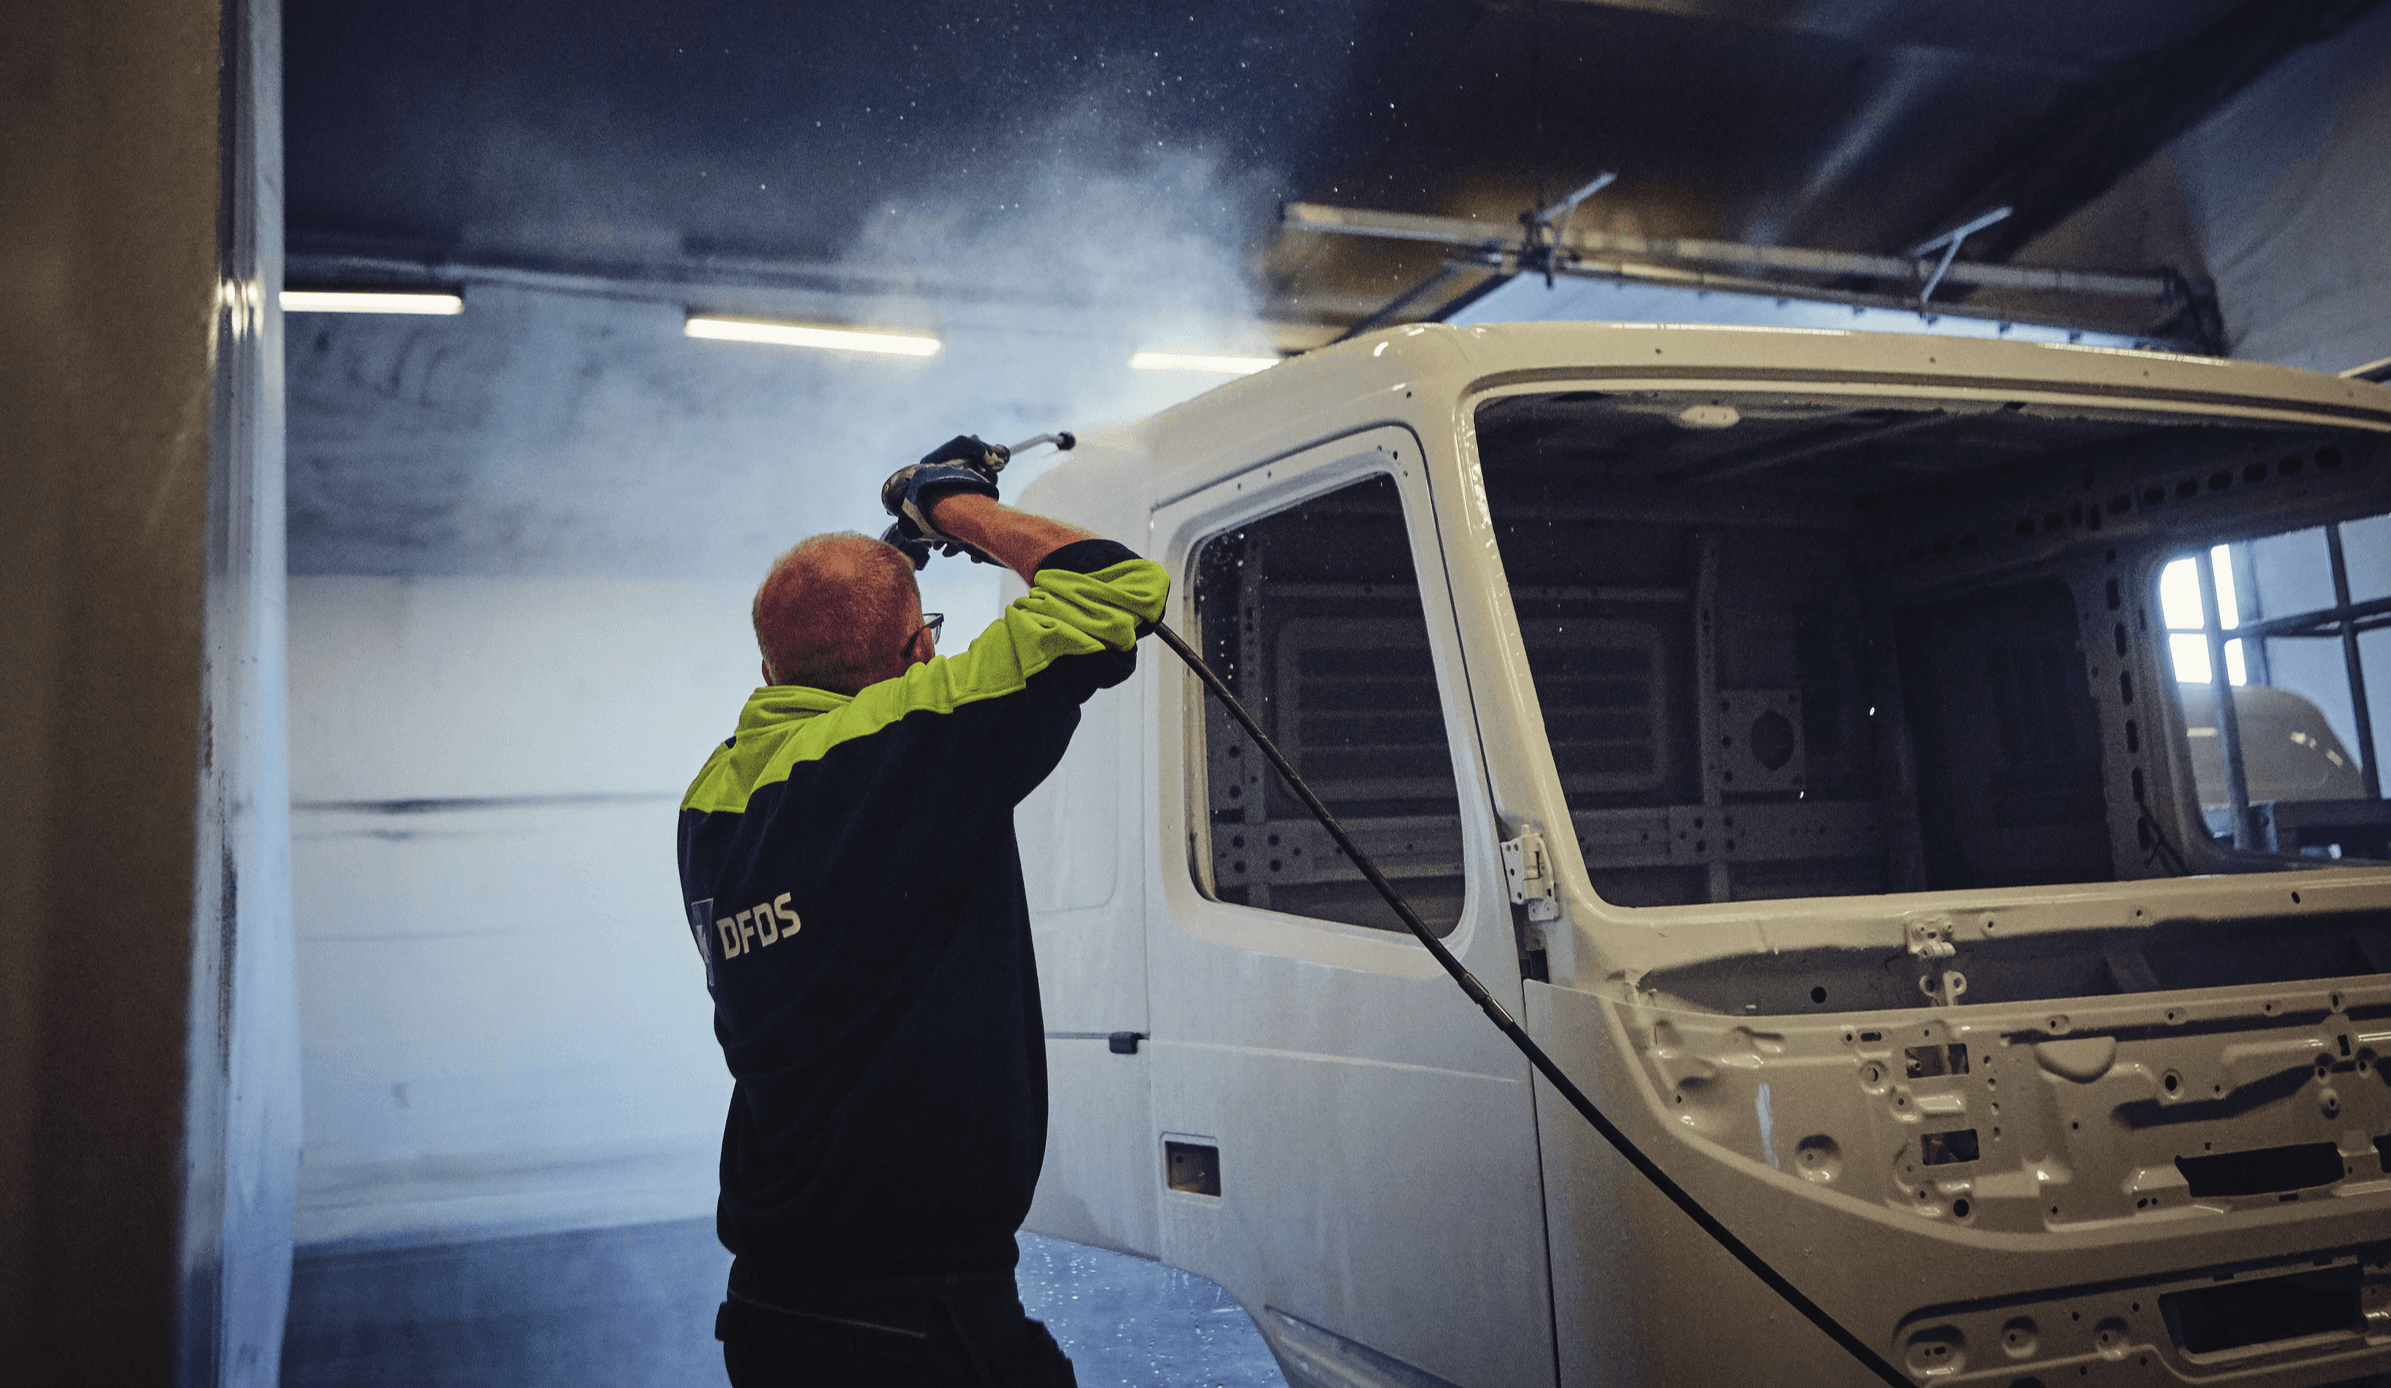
pixel 148 1061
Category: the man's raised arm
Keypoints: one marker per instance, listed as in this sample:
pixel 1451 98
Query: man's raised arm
pixel 1016 539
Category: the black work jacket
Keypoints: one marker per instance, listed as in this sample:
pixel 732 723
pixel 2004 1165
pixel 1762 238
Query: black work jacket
pixel 852 881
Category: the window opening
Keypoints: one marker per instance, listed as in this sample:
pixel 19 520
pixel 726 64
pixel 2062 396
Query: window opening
pixel 1838 645
pixel 1313 617
pixel 2181 603
pixel 2286 761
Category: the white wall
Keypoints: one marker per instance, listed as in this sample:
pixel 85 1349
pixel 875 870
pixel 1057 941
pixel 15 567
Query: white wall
pixel 2281 197
pixel 2289 186
pixel 505 1024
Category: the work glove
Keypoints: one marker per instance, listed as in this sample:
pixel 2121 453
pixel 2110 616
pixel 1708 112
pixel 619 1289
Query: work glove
pixel 986 459
pixel 962 464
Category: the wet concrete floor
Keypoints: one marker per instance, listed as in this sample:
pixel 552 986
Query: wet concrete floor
pixel 1126 1321
pixel 634 1306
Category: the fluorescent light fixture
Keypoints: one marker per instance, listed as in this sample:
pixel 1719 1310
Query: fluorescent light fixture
pixel 347 301
pixel 808 335
pixel 1183 361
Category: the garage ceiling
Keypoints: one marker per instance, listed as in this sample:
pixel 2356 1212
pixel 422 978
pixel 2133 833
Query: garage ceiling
pixel 723 138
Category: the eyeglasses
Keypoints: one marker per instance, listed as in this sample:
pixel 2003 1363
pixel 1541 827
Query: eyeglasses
pixel 931 622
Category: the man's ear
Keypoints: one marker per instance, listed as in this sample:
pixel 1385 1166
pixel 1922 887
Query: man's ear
pixel 921 648
pixel 765 666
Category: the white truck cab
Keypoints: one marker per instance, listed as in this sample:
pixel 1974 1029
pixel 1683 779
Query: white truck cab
pixel 1884 861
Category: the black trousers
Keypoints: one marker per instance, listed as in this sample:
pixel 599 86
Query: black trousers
pixel 956 1330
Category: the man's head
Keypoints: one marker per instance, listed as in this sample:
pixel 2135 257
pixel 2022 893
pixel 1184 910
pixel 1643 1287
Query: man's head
pixel 839 612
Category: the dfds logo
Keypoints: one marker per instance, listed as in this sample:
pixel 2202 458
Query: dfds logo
pixel 759 925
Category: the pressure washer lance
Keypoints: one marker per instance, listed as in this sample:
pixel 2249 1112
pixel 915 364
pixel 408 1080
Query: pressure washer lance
pixel 1494 1010
pixel 992 460
pixel 994 456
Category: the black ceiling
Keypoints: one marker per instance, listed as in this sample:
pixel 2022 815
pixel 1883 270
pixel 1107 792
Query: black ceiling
pixel 557 134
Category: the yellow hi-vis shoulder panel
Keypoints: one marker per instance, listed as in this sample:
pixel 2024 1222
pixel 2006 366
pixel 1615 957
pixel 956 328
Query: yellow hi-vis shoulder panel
pixel 1063 614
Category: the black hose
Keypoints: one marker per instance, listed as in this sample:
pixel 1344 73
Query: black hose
pixel 1495 1013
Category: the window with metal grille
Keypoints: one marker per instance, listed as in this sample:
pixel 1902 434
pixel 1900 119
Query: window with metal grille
pixel 1312 615
pixel 2282 749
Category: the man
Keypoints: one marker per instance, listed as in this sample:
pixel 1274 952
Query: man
pixel 852 879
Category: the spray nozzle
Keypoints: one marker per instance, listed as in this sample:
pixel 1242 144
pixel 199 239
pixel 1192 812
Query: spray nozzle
pixel 1064 441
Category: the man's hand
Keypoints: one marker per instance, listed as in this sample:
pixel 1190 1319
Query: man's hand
pixel 947 503
pixel 986 459
pixel 962 465
pixel 909 492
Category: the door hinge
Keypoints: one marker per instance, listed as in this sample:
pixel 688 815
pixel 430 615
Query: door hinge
pixel 1933 941
pixel 1527 868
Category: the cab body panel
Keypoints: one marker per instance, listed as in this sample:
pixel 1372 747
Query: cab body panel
pixel 1895 912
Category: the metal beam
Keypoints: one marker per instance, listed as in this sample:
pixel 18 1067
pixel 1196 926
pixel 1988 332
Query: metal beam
pixel 1507 265
pixel 1487 239
pixel 2229 723
pixel 1445 275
